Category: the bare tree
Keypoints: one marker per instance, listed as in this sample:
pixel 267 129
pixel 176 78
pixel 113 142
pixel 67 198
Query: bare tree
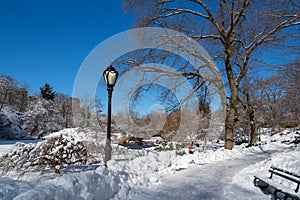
pixel 276 98
pixel 274 107
pixel 89 110
pixel 22 97
pixel 123 119
pixel 7 88
pixel 235 31
pixel 291 80
pixel 64 105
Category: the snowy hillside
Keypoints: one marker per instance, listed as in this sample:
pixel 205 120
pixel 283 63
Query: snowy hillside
pixel 139 174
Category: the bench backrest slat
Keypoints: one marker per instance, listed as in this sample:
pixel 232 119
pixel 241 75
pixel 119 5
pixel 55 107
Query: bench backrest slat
pixel 285 171
pixel 286 176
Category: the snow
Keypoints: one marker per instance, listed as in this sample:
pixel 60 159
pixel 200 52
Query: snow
pixel 209 173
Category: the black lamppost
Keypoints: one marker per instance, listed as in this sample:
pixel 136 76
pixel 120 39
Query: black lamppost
pixel 110 76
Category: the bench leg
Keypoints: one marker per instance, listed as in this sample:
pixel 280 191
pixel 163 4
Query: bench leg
pixel 260 183
pixel 254 181
pixel 275 194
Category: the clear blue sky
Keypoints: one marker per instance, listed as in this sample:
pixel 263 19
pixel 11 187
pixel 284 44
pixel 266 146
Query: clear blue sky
pixel 45 41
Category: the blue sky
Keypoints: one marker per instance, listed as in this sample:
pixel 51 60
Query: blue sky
pixel 46 41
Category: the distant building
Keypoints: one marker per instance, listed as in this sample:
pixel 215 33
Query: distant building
pixel 75 103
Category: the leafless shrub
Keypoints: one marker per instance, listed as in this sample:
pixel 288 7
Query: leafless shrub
pixel 54 151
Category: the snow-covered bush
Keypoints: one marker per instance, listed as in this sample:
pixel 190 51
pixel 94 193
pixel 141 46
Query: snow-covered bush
pixel 167 146
pixel 45 155
pixel 11 125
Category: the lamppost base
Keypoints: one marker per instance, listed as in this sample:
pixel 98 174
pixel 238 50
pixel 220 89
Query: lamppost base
pixel 108 150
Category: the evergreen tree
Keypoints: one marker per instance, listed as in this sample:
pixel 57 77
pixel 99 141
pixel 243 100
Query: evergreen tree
pixel 47 92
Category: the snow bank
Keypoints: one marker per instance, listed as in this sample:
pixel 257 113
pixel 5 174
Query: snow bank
pixel 98 184
pixel 10 188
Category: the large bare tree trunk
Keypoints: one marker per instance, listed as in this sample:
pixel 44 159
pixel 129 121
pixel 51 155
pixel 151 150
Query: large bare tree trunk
pixel 231 110
pixel 253 132
pixel 229 127
pixel 250 112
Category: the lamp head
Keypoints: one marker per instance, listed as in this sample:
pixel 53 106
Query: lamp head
pixel 110 76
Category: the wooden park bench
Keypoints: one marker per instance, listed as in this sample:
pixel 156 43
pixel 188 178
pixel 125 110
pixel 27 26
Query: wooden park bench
pixel 278 188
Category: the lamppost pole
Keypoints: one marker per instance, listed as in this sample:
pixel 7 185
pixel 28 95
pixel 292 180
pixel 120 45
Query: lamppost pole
pixel 110 76
pixel 108 148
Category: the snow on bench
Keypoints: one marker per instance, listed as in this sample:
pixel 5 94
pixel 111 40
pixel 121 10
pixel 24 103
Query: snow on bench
pixel 279 187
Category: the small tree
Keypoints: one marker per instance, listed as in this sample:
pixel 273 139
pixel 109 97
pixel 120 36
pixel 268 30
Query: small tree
pixel 47 92
pixel 64 105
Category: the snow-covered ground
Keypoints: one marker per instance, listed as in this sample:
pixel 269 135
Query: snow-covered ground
pixel 148 174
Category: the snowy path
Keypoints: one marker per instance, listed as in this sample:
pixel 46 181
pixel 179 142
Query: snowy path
pixel 209 181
